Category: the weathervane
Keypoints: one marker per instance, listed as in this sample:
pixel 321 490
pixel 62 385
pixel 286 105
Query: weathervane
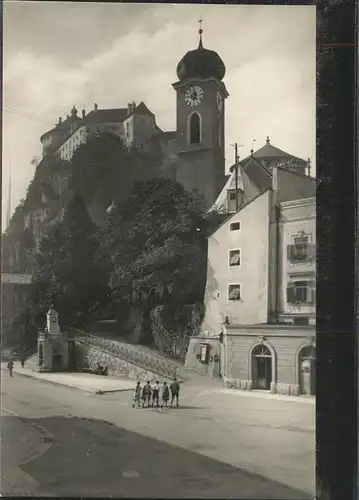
pixel 200 31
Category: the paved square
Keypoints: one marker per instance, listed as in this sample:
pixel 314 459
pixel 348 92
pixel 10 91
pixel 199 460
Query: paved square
pixel 216 444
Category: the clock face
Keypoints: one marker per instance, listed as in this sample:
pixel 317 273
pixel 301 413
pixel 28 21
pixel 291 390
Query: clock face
pixel 219 101
pixel 193 96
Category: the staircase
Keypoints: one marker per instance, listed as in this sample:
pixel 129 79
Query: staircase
pixel 138 355
pixel 31 362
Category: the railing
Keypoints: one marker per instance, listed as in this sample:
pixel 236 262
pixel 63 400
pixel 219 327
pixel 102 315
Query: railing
pixel 150 363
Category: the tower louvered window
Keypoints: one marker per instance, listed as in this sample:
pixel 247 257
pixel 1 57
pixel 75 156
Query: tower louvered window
pixel 195 129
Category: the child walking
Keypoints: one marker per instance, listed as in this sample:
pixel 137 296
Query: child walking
pixel 165 395
pixel 146 394
pixel 137 395
pixel 156 394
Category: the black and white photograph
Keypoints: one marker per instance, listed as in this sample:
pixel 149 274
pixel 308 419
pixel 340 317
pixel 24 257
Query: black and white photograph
pixel 158 280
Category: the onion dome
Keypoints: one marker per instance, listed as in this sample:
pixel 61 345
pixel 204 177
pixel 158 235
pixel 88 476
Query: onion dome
pixel 201 63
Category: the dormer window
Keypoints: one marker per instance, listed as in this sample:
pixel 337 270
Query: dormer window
pixel 232 195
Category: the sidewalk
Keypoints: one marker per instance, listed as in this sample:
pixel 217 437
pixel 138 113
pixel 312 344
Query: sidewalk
pixel 95 384
pixel 267 395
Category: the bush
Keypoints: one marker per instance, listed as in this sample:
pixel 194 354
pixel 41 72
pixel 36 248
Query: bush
pixel 172 328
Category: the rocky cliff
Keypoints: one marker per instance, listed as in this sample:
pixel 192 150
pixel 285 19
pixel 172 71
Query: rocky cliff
pixel 101 170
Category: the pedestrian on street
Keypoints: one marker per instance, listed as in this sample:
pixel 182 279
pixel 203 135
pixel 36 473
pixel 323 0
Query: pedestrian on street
pixel 175 388
pixel 137 395
pixel 10 366
pixel 165 395
pixel 146 394
pixel 22 361
pixel 155 394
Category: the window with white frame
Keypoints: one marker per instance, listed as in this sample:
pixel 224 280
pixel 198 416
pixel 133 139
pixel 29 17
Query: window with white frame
pixel 235 257
pixel 234 292
pixel 235 226
pixel 301 292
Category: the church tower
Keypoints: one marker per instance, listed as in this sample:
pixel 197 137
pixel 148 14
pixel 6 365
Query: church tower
pixel 200 137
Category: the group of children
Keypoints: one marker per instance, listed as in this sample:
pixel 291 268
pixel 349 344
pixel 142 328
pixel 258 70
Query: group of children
pixel 156 396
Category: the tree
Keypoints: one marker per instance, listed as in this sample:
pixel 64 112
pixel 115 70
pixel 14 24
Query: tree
pixel 157 240
pixel 70 272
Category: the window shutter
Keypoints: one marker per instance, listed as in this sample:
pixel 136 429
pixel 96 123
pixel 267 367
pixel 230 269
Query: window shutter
pixel 289 252
pixel 312 295
pixel 290 294
pixel 314 254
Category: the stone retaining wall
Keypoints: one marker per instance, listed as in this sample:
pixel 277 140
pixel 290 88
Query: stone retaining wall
pixel 88 357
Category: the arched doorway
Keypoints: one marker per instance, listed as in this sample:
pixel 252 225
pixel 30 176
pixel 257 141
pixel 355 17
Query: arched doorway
pixel 307 358
pixel 56 361
pixel 261 367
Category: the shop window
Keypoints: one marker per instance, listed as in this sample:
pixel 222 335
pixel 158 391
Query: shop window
pixel 235 258
pixel 234 292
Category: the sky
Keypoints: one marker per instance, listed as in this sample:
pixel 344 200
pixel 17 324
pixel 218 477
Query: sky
pixel 58 54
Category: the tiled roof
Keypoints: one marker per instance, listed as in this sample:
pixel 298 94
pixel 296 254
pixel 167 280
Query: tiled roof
pixel 142 109
pixel 269 152
pixel 257 173
pixel 63 127
pixel 106 115
pixel 291 185
pixel 113 115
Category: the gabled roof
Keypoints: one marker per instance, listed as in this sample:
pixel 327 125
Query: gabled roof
pixel 112 115
pixel 142 109
pixel 230 216
pixel 229 185
pixel 292 185
pixel 63 127
pixel 269 152
pixel 106 115
pixel 257 172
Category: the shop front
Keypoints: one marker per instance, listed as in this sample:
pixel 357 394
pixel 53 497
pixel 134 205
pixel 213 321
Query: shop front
pixel 274 358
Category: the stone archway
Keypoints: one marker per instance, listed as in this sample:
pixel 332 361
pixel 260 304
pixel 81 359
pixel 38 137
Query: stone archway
pixel 262 367
pixel 306 370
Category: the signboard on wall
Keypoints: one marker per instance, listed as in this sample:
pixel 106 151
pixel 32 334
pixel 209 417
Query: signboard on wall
pixel 204 350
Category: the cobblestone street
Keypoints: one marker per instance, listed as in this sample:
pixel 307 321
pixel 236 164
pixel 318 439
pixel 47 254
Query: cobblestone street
pixel 214 445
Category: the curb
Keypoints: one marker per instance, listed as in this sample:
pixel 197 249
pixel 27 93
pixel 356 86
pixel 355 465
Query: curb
pixel 108 391
pixel 96 392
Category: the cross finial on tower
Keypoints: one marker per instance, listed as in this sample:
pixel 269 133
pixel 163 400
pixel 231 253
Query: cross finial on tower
pixel 200 31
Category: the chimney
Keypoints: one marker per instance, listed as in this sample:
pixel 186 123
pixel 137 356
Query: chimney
pixel 83 114
pixel 133 105
pixel 95 107
pixel 129 108
pixel 60 120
